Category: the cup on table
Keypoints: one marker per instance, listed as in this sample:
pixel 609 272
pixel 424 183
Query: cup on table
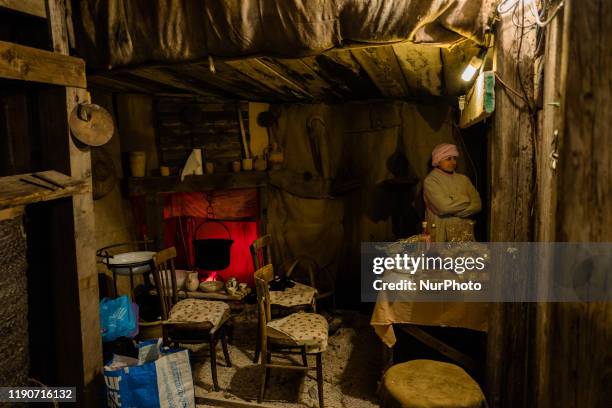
pixel 247 164
pixel 209 167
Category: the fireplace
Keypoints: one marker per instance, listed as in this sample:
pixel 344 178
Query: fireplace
pixel 236 213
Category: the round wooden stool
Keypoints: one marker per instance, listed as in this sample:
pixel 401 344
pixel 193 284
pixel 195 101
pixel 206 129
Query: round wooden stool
pixel 430 384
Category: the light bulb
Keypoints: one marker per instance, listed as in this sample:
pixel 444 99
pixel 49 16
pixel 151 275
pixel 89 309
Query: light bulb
pixel 471 69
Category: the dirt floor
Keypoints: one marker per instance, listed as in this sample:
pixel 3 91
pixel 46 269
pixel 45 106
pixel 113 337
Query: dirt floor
pixel 351 367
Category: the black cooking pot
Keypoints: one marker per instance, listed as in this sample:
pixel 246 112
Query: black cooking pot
pixel 212 254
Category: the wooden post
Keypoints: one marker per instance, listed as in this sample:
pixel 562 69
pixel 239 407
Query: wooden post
pixel 548 143
pixel 579 352
pixel 511 153
pixel 79 167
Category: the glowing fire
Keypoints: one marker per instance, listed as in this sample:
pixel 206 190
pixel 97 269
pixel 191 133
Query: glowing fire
pixel 212 277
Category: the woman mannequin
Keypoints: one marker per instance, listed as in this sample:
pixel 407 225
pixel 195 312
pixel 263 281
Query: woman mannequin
pixel 449 197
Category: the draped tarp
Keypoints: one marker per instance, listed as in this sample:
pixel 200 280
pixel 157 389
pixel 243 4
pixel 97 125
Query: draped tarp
pixel 112 33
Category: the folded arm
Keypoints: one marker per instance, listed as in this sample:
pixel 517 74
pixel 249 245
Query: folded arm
pixel 441 202
pixel 475 204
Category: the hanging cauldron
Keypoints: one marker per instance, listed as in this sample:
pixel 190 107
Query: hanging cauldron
pixel 212 254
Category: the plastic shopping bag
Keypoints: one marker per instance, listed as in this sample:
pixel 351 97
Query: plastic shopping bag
pixel 158 378
pixel 117 318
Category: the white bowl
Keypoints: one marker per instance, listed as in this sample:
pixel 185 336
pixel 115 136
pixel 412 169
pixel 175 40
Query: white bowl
pixel 128 258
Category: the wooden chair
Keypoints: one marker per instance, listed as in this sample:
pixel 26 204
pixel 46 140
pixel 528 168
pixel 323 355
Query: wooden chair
pixel 189 321
pixel 299 333
pixel 261 255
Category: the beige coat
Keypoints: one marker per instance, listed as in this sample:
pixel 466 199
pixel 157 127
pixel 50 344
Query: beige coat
pixel 450 200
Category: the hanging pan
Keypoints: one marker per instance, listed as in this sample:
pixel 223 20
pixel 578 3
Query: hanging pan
pixel 212 254
pixel 91 124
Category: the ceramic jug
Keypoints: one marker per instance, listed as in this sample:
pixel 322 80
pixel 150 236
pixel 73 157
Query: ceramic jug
pixel 192 282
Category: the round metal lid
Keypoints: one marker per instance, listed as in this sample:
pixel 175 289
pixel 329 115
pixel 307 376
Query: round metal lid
pixel 91 124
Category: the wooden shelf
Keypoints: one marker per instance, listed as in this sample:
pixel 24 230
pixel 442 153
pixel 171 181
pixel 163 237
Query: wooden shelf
pixel 220 181
pixel 25 189
pixel 32 64
pixel 32 7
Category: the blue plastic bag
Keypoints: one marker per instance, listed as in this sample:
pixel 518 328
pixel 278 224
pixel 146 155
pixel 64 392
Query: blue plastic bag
pixel 117 318
pixel 159 378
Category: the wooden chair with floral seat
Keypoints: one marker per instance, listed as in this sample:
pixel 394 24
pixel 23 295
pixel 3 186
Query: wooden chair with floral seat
pixel 298 333
pixel 189 321
pixel 299 297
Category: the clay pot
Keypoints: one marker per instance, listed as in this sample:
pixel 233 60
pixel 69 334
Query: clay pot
pixel 276 157
pixel 260 164
pixel 236 166
pixel 192 282
pixel 138 163
pixel 247 164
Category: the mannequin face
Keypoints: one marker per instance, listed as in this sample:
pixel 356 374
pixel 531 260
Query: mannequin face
pixel 448 165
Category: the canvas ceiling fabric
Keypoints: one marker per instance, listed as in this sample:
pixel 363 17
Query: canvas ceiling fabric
pixel 115 33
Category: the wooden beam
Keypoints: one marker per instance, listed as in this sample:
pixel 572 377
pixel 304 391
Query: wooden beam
pixel 550 136
pixel 32 64
pixel 511 170
pixel 86 372
pixel 32 7
pixel 381 65
pixel 580 352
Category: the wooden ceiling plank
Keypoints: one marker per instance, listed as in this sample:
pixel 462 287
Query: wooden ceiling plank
pixel 348 79
pixel 32 64
pixel 259 71
pixel 169 78
pixel 109 82
pixel 233 80
pixel 381 65
pixel 298 71
pixel 264 74
pixel 217 81
pixel 32 7
pixel 422 68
